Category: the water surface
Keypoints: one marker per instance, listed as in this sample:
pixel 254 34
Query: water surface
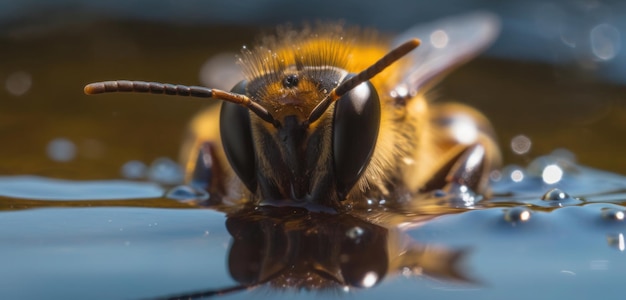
pixel 105 233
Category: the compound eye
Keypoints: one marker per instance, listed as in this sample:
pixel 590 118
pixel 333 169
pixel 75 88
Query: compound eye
pixel 355 130
pixel 236 136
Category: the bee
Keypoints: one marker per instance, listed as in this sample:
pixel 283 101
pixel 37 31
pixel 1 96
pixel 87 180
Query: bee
pixel 327 117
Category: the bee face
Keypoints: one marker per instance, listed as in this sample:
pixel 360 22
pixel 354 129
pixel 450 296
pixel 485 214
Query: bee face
pixel 323 115
pixel 301 161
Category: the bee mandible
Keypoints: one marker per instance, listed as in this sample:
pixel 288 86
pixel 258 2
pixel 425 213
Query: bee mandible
pixel 325 116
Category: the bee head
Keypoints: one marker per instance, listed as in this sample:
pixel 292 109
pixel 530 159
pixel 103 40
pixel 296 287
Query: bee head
pixel 297 157
pixel 294 134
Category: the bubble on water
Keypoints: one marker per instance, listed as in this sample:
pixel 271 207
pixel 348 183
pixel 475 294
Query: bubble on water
pixel 520 144
pixel 165 171
pixel 18 83
pixel 134 169
pixel 610 213
pixel 517 214
pixel 61 150
pixel 555 195
pixel 186 193
pixel 556 198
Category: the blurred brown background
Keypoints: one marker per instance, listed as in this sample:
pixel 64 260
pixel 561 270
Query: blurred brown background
pixel 555 75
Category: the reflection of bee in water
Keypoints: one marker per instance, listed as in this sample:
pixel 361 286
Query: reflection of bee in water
pixel 326 115
pixel 291 249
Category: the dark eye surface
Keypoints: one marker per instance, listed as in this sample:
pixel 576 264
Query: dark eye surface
pixel 237 139
pixel 355 130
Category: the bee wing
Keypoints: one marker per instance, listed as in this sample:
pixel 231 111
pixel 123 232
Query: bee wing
pixel 446 43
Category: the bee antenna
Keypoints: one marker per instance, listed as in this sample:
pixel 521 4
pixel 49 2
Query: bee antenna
pixel 178 90
pixel 363 76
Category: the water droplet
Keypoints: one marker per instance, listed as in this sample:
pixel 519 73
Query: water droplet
pixel 555 195
pixel 61 150
pixel 557 198
pixel 613 214
pixel 517 214
pixel 186 193
pixel 165 171
pixel 134 169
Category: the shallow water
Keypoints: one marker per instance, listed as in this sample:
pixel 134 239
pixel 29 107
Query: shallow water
pixel 99 234
pixel 146 248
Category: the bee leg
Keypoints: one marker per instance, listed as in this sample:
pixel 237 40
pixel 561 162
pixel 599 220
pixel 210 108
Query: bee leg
pixel 207 172
pixel 467 172
pixel 471 170
pixel 470 151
